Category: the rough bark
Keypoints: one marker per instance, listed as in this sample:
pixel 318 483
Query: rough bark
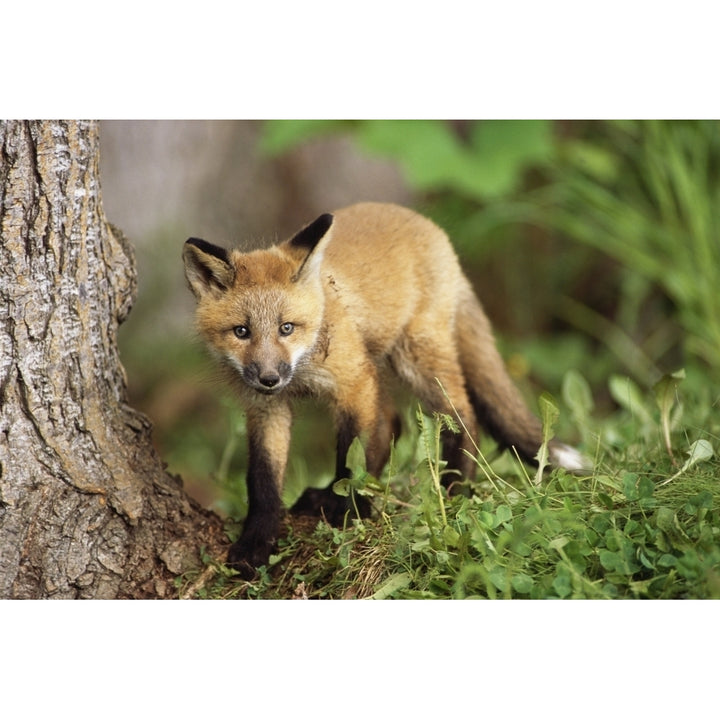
pixel 86 507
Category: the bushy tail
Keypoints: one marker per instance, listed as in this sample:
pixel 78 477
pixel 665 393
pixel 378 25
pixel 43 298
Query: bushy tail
pixel 497 402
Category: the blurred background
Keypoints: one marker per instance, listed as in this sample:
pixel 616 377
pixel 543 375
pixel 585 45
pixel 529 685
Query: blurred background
pixel 594 246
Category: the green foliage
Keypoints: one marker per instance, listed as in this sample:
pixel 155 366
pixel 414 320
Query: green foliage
pixel 279 136
pixel 647 193
pixel 665 393
pixel 549 413
pixel 488 163
pixel 577 396
pixel 635 528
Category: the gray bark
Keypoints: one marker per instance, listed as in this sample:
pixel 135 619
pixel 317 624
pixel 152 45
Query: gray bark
pixel 86 507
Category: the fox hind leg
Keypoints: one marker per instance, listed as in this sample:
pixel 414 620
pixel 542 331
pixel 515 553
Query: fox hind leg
pixel 365 413
pixel 437 379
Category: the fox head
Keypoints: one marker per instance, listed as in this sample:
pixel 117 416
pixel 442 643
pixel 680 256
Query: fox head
pixel 261 312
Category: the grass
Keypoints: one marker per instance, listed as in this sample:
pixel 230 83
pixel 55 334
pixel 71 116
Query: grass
pixel 646 193
pixel 643 524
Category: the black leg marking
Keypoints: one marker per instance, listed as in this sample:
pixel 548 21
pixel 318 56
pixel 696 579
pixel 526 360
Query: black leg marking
pixel 263 520
pixel 347 431
pixel 324 502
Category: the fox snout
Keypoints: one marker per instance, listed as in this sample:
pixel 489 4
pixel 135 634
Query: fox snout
pixel 267 379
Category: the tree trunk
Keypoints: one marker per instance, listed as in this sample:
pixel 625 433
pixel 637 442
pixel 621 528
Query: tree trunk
pixel 86 507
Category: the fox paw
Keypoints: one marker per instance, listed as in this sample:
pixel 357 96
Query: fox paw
pixel 325 503
pixel 245 558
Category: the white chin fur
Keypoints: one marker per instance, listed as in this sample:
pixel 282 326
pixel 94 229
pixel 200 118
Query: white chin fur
pixel 569 458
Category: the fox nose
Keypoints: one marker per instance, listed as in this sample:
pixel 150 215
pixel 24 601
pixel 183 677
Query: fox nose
pixel 269 380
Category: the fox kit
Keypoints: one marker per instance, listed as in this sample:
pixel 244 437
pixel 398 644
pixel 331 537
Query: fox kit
pixel 373 290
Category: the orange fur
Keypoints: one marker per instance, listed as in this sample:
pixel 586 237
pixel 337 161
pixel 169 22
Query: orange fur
pixel 374 290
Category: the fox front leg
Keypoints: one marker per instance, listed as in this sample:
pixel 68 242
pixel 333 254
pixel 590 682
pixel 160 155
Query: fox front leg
pixel 269 442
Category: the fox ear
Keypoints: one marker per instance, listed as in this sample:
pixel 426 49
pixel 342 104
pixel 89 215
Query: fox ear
pixel 207 267
pixel 309 244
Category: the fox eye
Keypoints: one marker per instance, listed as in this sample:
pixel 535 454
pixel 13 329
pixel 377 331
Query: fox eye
pixel 286 328
pixel 241 332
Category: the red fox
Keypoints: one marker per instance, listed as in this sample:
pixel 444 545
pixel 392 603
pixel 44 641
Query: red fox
pixel 370 291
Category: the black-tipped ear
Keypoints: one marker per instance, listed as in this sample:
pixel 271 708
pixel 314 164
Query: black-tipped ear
pixel 207 267
pixel 210 249
pixel 311 235
pixel 308 246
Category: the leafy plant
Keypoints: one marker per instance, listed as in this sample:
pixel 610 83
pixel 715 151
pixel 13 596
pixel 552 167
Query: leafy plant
pixel 665 393
pixel 549 413
pixel 635 528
